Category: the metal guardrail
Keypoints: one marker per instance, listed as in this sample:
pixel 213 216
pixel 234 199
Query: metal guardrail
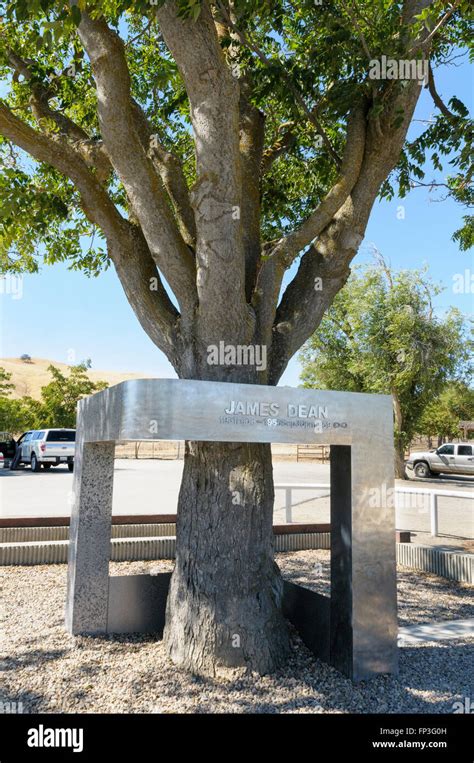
pixel 297 486
pixel 433 494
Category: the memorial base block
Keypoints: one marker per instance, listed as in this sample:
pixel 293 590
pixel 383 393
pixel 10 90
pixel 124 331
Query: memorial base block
pixel 355 629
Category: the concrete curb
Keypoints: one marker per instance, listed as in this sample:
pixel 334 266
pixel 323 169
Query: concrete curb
pixel 447 564
pixel 49 545
pixel 129 548
pixel 42 534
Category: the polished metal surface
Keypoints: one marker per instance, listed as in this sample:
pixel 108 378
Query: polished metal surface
pixel 137 603
pixel 363 621
pixel 175 409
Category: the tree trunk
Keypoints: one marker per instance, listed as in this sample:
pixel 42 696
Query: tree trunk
pixel 399 438
pixel 400 472
pixel 224 604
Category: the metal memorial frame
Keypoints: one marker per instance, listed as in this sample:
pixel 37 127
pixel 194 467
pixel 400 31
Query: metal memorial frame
pixel 355 629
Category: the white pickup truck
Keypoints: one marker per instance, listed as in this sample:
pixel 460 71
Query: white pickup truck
pixel 451 458
pixel 47 448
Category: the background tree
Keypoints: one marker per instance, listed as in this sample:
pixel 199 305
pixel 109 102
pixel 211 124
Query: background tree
pixel 442 415
pixel 5 384
pixel 213 145
pixel 19 415
pixel 381 335
pixel 57 407
pixel 60 396
pixel 15 415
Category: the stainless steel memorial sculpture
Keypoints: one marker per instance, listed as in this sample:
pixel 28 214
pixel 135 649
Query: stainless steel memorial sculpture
pixel 355 629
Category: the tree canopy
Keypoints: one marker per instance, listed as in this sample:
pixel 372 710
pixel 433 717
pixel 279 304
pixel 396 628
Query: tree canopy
pixel 382 335
pixel 442 416
pixel 57 407
pixel 68 193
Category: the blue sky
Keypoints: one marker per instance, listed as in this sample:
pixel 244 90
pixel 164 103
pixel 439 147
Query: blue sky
pixel 65 316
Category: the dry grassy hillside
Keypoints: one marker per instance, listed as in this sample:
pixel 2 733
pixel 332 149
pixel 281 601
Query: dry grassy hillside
pixel 28 378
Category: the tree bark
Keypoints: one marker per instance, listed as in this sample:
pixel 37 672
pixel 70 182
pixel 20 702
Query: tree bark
pixel 399 439
pixel 400 472
pixel 224 604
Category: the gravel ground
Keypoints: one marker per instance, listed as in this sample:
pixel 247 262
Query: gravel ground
pixel 50 671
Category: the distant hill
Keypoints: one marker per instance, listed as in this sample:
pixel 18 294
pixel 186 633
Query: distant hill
pixel 28 378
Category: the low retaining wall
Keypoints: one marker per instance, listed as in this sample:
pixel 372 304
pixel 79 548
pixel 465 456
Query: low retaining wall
pixel 447 564
pixel 128 544
pixel 139 542
pixel 41 534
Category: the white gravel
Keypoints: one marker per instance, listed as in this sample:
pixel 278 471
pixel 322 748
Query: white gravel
pixel 50 671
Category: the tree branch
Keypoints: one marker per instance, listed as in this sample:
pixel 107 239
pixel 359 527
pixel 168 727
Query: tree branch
pixel 91 151
pixel 310 113
pixel 303 306
pixel 305 299
pixel 170 170
pixel 281 145
pixel 125 243
pixel 426 41
pixel 353 17
pixel 144 190
pixel 436 97
pixel 252 133
pixel 289 246
pixel 217 195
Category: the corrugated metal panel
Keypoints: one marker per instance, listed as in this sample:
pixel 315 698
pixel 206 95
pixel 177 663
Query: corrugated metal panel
pixel 30 534
pixel 446 564
pixel 38 534
pixel 138 549
pixel 451 565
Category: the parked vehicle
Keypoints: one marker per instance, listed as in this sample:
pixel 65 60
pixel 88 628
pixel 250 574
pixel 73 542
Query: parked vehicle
pixel 451 458
pixel 47 448
pixel 7 448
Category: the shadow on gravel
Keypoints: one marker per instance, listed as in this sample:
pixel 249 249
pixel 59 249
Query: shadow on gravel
pixel 30 658
pixel 25 702
pixel 319 688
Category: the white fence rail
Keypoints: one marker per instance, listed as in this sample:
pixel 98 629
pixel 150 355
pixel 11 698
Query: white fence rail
pixel 288 488
pixel 433 496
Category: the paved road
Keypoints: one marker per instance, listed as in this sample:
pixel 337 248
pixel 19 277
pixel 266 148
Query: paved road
pixel 147 486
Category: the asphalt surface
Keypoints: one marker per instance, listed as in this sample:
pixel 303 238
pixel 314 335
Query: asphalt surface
pixel 151 487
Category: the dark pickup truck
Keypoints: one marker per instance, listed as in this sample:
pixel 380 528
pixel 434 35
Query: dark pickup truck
pixel 7 448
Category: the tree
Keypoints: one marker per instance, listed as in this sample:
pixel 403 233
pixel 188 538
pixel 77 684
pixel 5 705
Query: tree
pixel 57 407
pixel 60 396
pixel 381 335
pixel 5 384
pixel 213 145
pixel 442 415
pixel 17 416
pixel 25 358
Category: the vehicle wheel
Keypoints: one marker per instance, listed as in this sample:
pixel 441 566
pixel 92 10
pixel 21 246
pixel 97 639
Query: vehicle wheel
pixel 47 467
pixel 35 464
pixel 422 470
pixel 70 467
